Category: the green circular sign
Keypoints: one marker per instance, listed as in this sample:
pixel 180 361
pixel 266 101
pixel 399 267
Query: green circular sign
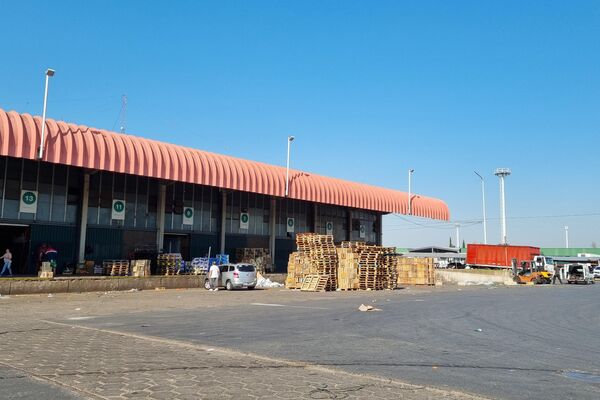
pixel 119 206
pixel 329 226
pixel 29 198
pixel 362 229
pixel 244 218
pixel 189 213
pixel 290 222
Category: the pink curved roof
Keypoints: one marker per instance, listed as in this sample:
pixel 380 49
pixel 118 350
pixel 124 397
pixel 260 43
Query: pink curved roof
pixel 85 147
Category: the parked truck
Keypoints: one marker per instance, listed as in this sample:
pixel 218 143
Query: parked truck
pixel 501 256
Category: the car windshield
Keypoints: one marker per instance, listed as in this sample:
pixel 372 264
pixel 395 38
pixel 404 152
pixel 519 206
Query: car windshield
pixel 246 268
pixel 549 261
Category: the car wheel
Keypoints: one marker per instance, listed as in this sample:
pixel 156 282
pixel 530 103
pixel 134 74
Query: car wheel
pixel 207 284
pixel 251 287
pixel 229 285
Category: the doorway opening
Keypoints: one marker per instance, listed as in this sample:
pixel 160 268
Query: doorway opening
pixel 177 243
pixel 16 238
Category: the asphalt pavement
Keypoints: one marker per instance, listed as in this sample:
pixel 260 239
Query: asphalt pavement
pixel 535 342
pixel 508 343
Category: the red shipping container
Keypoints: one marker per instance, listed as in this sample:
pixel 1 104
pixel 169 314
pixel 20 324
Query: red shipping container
pixel 499 256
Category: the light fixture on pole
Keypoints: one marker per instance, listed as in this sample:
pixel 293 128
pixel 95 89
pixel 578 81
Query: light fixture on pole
pixel 49 73
pixel 483 199
pixel 502 173
pixel 287 170
pixel 410 172
pixel 566 236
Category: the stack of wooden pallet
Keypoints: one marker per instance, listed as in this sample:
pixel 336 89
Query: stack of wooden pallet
pixel 169 264
pixel 347 272
pixel 116 267
pixel 369 270
pixel 299 266
pixel 140 268
pixel 316 255
pixel 389 265
pixel 260 258
pixel 416 271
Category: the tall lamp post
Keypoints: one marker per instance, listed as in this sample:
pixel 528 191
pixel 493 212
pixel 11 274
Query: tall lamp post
pixel 287 170
pixel 502 173
pixel 567 237
pixel 410 172
pixel 49 74
pixel 483 199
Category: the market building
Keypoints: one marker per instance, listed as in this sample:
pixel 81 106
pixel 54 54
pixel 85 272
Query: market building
pixel 96 195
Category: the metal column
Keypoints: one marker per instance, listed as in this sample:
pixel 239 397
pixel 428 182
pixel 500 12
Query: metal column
pixel 223 219
pixel 272 229
pixel 84 217
pixel 160 216
pixel 379 229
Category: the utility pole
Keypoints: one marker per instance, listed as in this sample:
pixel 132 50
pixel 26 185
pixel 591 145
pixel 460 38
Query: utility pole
pixel 123 113
pixel 567 237
pixel 457 236
pixel 287 169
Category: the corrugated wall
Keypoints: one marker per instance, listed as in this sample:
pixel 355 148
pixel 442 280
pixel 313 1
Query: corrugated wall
pixel 62 238
pixel 103 244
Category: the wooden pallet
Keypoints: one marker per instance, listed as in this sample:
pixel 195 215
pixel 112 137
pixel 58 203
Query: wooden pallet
pixel 314 283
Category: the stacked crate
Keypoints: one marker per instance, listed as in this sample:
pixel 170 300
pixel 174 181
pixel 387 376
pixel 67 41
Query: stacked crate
pixel 316 255
pixel 389 264
pixel 169 264
pixel 369 270
pixel 116 267
pixel 299 266
pixel 416 271
pixel 140 268
pixel 347 272
pixel 260 258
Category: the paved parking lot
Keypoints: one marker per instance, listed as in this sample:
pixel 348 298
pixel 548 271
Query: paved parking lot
pixel 444 342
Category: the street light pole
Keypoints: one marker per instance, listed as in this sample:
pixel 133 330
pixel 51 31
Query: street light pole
pixel 287 170
pixel 502 173
pixel 49 73
pixel 483 199
pixel 567 237
pixel 410 172
pixel 458 246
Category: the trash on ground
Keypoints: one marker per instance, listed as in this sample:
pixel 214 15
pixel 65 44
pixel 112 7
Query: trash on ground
pixel 133 290
pixel 266 283
pixel 50 295
pixel 365 308
pixel 479 330
pixel 78 309
pixel 161 288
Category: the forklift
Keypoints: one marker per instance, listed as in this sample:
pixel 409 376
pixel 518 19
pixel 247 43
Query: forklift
pixel 530 273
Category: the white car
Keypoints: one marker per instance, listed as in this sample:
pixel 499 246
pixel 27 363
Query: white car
pixel 597 272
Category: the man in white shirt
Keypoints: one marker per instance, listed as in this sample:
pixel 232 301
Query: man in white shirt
pixel 213 275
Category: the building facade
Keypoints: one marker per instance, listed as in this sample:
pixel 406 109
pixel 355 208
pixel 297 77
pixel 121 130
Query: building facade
pixel 98 195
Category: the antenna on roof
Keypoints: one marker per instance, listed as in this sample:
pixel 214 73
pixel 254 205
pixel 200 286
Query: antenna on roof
pixel 123 113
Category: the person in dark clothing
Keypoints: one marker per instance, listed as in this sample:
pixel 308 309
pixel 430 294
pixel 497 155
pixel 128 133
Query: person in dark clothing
pixel 556 275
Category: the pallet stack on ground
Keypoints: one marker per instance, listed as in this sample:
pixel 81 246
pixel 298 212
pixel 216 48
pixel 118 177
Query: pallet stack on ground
pixel 140 268
pixel 389 265
pixel 299 266
pixel 416 271
pixel 260 258
pixel 116 267
pixel 347 272
pixel 316 255
pixel 169 263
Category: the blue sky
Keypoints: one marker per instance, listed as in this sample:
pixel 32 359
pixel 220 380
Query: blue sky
pixel 369 89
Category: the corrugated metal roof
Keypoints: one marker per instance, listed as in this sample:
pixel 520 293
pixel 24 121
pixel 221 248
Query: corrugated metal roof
pixel 92 148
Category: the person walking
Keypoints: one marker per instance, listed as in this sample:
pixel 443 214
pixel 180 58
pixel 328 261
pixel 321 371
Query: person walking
pixel 213 275
pixel 7 262
pixel 556 275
